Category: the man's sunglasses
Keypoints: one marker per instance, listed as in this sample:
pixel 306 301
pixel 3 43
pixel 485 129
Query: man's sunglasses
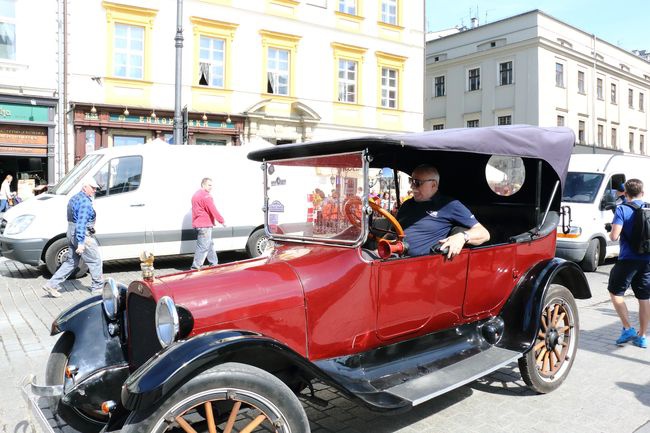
pixel 418 182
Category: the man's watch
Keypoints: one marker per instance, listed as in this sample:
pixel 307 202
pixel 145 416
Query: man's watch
pixel 466 237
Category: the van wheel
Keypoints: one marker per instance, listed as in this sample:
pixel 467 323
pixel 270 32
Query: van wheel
pixel 57 253
pixel 545 366
pixel 258 243
pixel 592 257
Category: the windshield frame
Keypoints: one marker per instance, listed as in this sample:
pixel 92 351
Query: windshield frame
pixel 365 207
pixel 78 172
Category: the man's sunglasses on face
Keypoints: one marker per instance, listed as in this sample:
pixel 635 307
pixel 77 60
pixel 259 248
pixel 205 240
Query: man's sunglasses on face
pixel 419 182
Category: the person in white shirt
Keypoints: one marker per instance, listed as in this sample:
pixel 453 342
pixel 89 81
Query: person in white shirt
pixel 5 193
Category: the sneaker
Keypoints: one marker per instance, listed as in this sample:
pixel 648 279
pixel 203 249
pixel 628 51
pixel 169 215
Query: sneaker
pixel 640 341
pixel 626 335
pixel 52 292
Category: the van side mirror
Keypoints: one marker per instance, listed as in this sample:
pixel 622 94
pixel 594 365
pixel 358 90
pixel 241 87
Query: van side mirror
pixel 608 202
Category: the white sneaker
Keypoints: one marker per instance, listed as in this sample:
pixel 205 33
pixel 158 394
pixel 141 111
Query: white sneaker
pixel 52 292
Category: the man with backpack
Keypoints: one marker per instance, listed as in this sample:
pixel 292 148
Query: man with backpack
pixel 631 223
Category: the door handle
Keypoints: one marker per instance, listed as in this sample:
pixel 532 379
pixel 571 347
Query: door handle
pixel 137 205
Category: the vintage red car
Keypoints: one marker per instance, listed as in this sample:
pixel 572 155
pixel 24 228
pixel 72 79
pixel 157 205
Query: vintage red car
pixel 339 299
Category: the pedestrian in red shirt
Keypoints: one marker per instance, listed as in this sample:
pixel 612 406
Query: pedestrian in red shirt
pixel 204 215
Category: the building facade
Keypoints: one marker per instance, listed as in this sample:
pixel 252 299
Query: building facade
pixel 278 70
pixel 534 69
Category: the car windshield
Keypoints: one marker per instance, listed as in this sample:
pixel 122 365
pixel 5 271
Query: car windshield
pixel 581 187
pixel 316 198
pixel 75 175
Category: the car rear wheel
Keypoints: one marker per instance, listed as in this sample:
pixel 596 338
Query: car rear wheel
pixel 57 253
pixel 55 375
pixel 228 398
pixel 592 257
pixel 548 363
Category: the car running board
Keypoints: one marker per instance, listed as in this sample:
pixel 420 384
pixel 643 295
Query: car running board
pixel 438 382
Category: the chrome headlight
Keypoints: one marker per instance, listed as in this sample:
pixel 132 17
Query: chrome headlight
pixel 19 224
pixel 111 298
pixel 167 323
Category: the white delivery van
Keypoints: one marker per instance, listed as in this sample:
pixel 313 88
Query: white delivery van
pixel 143 203
pixel 589 197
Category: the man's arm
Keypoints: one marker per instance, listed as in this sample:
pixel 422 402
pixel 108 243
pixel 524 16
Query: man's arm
pixel 212 210
pixel 83 212
pixel 615 232
pixel 476 235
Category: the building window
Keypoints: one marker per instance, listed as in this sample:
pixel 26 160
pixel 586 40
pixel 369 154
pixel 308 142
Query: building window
pixel 613 94
pixel 127 140
pixel 211 61
pixel 277 71
pixel 630 141
pixel 389 79
pixel 559 75
pixel 581 131
pixel 439 85
pixel 347 81
pixel 472 123
pixel 8 29
pixel 389 11
pixel 504 120
pixel 581 82
pixel 630 98
pixel 438 126
pixel 560 120
pixel 600 135
pixel 128 53
pixel 348 7
pixel 474 79
pixel 641 107
pixel 505 73
pixel 642 144
pixel 599 88
pixel 613 138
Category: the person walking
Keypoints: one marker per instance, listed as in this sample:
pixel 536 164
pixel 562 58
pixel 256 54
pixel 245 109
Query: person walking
pixel 81 241
pixel 5 193
pixel 631 269
pixel 204 215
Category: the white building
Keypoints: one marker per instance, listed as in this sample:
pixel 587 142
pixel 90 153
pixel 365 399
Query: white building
pixel 279 70
pixel 535 69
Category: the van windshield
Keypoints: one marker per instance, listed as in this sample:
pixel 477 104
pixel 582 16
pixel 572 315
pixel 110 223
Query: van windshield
pixel 75 175
pixel 581 187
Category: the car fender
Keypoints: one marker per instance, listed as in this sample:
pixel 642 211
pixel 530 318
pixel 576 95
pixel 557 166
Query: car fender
pixel 522 312
pixel 181 361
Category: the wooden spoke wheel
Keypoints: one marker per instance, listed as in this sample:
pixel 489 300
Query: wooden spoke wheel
pixel 548 362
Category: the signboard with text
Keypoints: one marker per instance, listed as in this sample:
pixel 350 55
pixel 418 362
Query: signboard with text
pixel 24 112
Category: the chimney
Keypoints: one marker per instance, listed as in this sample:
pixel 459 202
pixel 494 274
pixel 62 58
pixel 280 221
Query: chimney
pixel 474 23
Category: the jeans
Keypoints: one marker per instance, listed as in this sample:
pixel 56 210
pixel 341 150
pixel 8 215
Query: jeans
pixel 4 205
pixel 91 256
pixel 204 248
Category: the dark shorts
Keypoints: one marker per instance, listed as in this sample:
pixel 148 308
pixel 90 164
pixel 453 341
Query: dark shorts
pixel 626 273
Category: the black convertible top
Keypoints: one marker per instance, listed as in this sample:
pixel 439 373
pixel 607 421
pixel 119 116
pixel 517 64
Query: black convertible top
pixel 553 145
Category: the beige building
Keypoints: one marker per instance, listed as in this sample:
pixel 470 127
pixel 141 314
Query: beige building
pixel 534 69
pixel 278 70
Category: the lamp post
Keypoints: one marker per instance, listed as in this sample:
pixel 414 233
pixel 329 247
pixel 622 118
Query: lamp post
pixel 178 126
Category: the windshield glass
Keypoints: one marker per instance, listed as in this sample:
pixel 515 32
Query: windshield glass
pixel 581 187
pixel 316 198
pixel 78 172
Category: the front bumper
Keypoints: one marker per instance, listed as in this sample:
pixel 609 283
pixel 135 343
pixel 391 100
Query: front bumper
pixel 38 405
pixel 26 251
pixel 572 251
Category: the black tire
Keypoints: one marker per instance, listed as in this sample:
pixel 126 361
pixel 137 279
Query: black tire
pixel 257 243
pixel 549 361
pixel 592 257
pixel 261 395
pixel 57 254
pixel 54 375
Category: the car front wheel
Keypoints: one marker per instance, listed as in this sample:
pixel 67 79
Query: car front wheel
pixel 228 398
pixel 57 253
pixel 548 363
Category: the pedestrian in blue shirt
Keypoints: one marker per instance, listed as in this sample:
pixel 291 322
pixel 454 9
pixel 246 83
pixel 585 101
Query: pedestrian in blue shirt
pixel 631 269
pixel 429 216
pixel 81 241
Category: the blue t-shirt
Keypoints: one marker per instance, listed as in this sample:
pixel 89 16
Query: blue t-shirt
pixel 426 222
pixel 624 217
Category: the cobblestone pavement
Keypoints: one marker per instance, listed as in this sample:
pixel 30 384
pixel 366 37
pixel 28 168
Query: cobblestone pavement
pixel 608 389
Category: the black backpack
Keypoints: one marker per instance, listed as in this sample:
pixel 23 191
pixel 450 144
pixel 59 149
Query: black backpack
pixel 640 241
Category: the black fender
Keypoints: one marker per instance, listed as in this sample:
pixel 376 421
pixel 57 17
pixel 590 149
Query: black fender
pixel 178 363
pixel 522 311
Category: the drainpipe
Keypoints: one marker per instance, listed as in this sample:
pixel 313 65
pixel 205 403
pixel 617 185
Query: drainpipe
pixel 65 85
pixel 178 120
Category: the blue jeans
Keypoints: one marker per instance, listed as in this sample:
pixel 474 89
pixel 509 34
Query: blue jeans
pixel 91 256
pixel 204 248
pixel 4 205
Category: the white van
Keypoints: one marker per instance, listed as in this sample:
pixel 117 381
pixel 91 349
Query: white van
pixel 144 203
pixel 589 196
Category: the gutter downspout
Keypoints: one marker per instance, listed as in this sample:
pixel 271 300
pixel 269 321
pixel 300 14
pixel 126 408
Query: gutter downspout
pixel 65 84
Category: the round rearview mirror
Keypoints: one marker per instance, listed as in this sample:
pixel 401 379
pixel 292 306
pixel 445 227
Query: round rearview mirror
pixel 505 175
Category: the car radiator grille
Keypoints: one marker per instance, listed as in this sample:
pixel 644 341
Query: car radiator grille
pixel 143 341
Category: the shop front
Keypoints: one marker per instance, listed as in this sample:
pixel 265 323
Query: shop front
pixel 99 126
pixel 27 134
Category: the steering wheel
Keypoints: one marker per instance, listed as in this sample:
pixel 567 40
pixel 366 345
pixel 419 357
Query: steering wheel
pixel 386 247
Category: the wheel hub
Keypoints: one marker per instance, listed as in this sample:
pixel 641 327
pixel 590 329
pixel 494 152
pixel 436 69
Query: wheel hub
pixel 552 338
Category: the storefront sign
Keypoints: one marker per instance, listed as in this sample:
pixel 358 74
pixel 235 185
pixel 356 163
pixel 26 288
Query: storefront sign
pixel 18 134
pixel 24 112
pixel 160 120
pixel 17 150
